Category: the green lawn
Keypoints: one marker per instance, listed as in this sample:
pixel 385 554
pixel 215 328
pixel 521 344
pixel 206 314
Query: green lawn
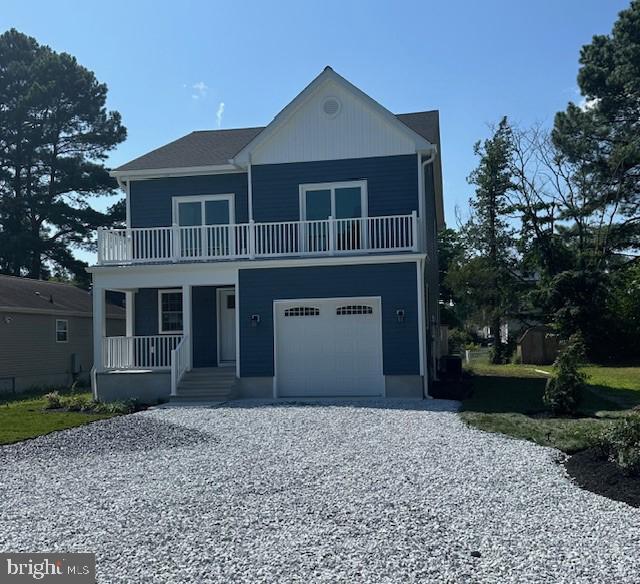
pixel 23 417
pixel 508 399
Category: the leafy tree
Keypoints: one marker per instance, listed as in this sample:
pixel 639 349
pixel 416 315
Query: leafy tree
pixel 55 133
pixel 451 257
pixel 577 193
pixel 489 233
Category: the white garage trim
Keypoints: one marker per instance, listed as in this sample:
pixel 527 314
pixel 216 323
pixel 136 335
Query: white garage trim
pixel 351 300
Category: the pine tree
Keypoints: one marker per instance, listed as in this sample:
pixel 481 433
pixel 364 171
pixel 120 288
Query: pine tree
pixel 601 136
pixel 55 133
pixel 489 232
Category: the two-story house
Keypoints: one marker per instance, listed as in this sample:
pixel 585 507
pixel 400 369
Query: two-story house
pixel 294 260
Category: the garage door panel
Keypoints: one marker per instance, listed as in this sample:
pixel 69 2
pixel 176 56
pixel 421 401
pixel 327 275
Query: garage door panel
pixel 329 347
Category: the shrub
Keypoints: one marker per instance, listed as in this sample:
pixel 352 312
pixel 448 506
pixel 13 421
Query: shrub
pixel 621 444
pixel 563 391
pixel 117 407
pixel 53 400
pixel 501 353
pixel 459 339
pixel 78 403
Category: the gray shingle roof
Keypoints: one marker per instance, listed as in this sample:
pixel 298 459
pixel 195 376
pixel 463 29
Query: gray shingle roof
pixel 25 293
pixel 216 147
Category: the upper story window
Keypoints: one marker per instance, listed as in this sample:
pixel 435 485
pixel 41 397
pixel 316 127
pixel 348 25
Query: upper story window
pixel 346 202
pixel 202 222
pixel 62 330
pixel 340 200
pixel 203 210
pixel 170 311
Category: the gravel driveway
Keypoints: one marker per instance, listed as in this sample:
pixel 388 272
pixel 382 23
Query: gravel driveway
pixel 360 492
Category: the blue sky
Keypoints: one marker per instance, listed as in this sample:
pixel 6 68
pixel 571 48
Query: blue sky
pixel 169 65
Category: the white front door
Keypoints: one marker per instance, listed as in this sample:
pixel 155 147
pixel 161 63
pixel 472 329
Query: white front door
pixel 329 347
pixel 226 327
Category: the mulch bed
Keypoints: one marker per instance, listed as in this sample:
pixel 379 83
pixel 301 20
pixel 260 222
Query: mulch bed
pixel 596 474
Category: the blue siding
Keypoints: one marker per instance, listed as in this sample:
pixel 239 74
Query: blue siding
pixel 204 323
pixel 395 283
pixel 150 200
pixel 392 183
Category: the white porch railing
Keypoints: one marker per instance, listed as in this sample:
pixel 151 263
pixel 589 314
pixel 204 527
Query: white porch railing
pixel 148 352
pixel 259 240
pixel 179 363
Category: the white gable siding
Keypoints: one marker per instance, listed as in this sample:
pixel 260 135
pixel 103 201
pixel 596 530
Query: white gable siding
pixel 358 131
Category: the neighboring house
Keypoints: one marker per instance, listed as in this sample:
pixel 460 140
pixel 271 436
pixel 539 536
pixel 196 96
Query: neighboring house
pixel 293 260
pixel 46 333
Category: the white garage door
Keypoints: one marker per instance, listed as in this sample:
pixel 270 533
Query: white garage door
pixel 329 347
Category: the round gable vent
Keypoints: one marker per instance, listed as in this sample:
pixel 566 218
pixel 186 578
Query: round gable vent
pixel 331 106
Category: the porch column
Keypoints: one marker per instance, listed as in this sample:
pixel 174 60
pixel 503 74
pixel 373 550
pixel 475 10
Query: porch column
pixel 129 296
pixel 186 322
pixel 99 326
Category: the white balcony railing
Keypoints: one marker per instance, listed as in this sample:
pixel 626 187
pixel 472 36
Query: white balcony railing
pixel 144 352
pixel 258 240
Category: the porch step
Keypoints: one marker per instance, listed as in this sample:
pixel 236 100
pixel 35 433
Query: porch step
pixel 207 384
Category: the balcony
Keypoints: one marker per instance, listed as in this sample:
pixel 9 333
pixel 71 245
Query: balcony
pixel 362 235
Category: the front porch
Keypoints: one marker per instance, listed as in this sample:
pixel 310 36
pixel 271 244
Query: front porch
pixel 170 333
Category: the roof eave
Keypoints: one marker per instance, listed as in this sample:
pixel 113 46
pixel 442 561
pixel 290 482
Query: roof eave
pixel 169 172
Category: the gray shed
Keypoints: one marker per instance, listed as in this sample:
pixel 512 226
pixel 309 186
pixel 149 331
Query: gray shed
pixel 538 345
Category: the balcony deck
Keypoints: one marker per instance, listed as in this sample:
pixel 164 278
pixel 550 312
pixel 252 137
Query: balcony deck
pixel 250 241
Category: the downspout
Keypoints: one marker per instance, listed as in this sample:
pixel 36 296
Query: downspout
pixel 428 324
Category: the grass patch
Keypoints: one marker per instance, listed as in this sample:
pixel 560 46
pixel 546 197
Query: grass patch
pixel 23 416
pixel 508 399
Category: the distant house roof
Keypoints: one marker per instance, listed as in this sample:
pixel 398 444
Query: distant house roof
pixel 217 147
pixel 39 296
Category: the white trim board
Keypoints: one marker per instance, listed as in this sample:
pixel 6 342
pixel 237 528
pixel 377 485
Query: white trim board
pixel 175 171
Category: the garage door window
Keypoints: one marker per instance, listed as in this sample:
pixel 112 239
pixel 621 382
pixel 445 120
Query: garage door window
pixel 354 309
pixel 302 311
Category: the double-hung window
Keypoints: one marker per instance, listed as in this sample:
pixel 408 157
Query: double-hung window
pixel 204 225
pixel 170 312
pixel 62 330
pixel 346 203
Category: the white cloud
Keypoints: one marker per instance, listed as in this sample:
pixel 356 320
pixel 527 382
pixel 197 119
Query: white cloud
pixel 586 103
pixel 219 113
pixel 200 89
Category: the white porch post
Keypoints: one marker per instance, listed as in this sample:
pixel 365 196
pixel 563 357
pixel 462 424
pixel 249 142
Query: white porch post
pixel 186 322
pixel 129 296
pixel 99 327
